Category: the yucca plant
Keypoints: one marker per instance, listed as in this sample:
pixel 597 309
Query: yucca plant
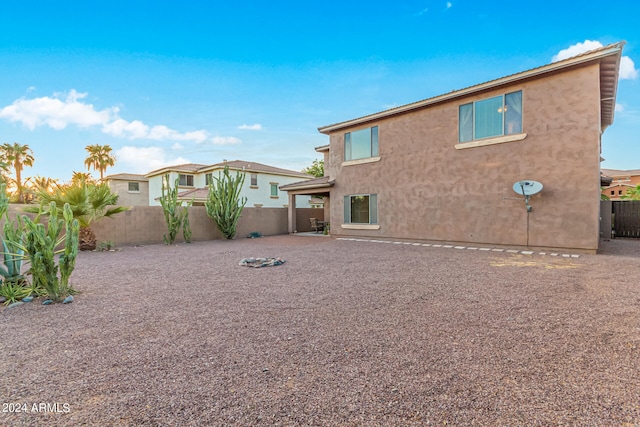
pixel 13 292
pixel 89 202
pixel 224 204
pixel 12 243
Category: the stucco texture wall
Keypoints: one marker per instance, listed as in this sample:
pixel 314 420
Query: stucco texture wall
pixel 128 198
pixel 429 190
pixel 146 225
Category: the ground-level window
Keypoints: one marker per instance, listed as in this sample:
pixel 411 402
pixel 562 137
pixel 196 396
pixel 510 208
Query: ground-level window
pixel 274 190
pixel 361 209
pixel 185 180
pixel 361 144
pixel 613 192
pixel 487 118
pixel 134 187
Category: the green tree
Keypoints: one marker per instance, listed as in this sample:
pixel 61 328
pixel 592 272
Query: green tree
pixel 89 202
pixel 99 158
pixel 18 156
pixel 224 204
pixel 316 169
pixel 632 193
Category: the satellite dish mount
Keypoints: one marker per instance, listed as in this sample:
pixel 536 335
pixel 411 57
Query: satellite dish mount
pixel 527 188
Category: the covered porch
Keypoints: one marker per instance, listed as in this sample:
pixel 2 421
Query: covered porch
pixel 318 187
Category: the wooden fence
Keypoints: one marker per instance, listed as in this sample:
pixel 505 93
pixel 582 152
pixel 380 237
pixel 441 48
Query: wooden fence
pixel 626 218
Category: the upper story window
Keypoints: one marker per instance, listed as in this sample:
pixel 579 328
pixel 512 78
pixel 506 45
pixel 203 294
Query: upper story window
pixel 134 187
pixel 492 117
pixel 274 189
pixel 208 179
pixel 254 179
pixel 361 144
pixel 185 180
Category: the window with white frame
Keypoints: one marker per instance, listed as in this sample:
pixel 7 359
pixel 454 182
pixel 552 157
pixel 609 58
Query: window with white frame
pixel 185 180
pixel 361 144
pixel 361 209
pixel 134 187
pixel 491 117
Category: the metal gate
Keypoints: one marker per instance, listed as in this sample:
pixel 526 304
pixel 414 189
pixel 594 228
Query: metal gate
pixel 626 218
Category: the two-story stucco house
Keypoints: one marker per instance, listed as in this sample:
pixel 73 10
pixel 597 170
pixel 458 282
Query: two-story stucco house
pixel 261 185
pixel 132 189
pixel 443 169
pixel 621 182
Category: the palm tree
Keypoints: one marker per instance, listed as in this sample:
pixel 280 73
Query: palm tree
pixel 79 177
pixel 99 158
pixel 18 156
pixel 43 183
pixel 89 202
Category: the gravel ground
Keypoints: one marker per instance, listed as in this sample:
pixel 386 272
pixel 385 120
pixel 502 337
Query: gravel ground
pixel 344 334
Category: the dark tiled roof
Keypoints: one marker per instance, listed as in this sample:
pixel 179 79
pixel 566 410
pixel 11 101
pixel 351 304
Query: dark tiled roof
pixel 255 167
pixel 619 172
pixel 126 177
pixel 187 167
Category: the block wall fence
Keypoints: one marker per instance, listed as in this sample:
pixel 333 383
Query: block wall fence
pixel 143 225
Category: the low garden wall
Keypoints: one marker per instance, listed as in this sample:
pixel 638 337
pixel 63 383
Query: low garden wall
pixel 145 224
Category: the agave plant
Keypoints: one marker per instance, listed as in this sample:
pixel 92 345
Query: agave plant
pixel 89 202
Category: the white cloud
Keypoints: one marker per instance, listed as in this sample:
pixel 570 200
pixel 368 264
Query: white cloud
pixel 225 140
pixel 576 49
pixel 61 111
pixel 124 129
pixel 627 69
pixel 256 126
pixel 56 113
pixel 177 146
pixel 145 159
pixel 619 108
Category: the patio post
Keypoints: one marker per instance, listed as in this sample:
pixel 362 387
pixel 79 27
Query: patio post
pixel 292 213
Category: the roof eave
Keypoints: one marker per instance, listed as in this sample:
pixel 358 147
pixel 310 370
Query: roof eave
pixel 545 69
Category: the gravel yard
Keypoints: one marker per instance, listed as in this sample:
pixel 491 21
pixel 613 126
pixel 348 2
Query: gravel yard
pixel 345 333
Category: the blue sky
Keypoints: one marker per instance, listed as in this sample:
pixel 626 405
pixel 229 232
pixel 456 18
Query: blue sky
pixel 168 82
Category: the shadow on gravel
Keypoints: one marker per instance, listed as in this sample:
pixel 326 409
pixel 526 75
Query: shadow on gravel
pixel 620 247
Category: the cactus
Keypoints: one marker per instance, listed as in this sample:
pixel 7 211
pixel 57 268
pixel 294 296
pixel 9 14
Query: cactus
pixel 173 215
pixel 224 204
pixel 186 227
pixel 41 244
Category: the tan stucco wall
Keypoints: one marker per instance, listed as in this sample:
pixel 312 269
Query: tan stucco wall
pixel 127 198
pixel 146 225
pixel 428 190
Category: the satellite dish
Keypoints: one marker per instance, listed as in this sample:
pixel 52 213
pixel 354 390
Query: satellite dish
pixel 527 187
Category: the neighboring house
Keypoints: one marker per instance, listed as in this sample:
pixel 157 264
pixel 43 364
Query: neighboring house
pixel 261 185
pixel 621 181
pixel 443 169
pixel 132 189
